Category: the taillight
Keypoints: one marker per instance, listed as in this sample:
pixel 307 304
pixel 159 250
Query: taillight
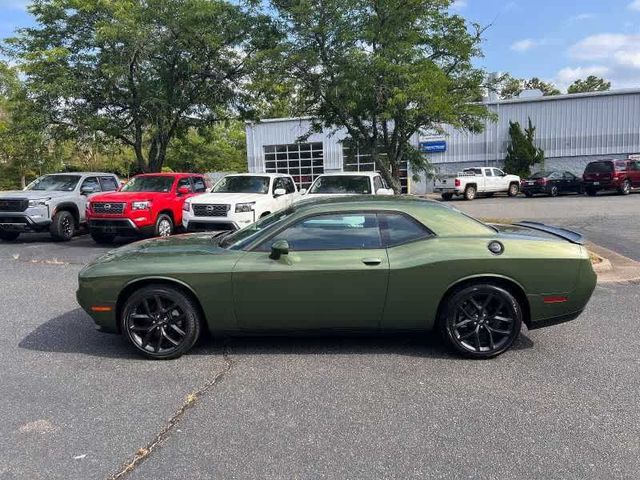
pixel 457 182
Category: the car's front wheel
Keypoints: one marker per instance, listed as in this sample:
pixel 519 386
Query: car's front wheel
pixel 625 188
pixel 63 226
pixel 161 322
pixel 164 226
pixel 481 321
pixel 514 189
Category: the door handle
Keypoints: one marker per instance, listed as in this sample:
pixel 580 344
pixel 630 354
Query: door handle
pixel 372 261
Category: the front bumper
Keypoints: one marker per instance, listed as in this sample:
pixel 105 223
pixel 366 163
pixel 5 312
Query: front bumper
pixel 29 221
pixel 105 321
pixel 116 226
pixel 232 222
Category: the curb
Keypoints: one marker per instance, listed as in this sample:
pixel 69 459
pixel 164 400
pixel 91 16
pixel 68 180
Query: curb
pixel 614 268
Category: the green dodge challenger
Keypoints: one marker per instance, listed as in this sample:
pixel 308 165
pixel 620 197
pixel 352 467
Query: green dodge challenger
pixel 346 264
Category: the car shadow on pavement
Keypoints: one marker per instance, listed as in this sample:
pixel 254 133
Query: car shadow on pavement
pixel 73 332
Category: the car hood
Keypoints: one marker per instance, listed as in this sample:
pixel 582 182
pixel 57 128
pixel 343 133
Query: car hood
pixel 230 198
pixel 127 196
pixel 329 195
pixel 34 194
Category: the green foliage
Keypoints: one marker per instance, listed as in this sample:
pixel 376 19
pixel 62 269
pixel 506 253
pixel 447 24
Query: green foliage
pixel 220 148
pixel 142 73
pixel 383 70
pixel 590 84
pixel 509 87
pixel 522 152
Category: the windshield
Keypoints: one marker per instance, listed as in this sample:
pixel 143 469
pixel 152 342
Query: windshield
pixel 242 184
pixel 62 183
pixel 149 183
pixel 338 184
pixel 241 238
pixel 599 167
pixel 540 175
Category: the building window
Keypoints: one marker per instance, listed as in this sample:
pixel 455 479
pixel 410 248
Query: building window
pixel 359 160
pixel 303 161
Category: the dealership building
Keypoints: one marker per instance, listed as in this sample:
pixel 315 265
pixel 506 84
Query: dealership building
pixel 571 129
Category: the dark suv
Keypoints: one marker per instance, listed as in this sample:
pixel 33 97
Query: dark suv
pixel 620 175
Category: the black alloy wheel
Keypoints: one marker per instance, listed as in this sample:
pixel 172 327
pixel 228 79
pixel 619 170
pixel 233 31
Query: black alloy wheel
pixel 554 191
pixel 161 322
pixel 63 226
pixel 481 321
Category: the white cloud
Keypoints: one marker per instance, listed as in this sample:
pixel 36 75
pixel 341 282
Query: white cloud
pixel 523 45
pixel 635 5
pixel 459 4
pixel 583 16
pixel 568 75
pixel 604 46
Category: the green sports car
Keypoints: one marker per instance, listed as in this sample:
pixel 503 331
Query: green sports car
pixel 346 264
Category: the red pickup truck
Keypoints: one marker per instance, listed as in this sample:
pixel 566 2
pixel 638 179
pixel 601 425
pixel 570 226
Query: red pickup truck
pixel 147 204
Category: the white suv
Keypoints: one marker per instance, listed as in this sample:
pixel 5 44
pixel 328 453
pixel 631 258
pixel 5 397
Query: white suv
pixel 348 183
pixel 238 200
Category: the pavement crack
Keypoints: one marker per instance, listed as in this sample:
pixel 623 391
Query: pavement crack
pixel 190 401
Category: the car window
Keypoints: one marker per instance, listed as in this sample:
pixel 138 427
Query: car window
pixel 198 185
pixel 278 183
pixel 90 183
pixel 538 175
pixel 149 183
pixel 398 229
pixel 242 184
pixel 377 184
pixel 289 185
pixel 621 166
pixel 108 184
pixel 497 172
pixel 185 182
pixel 635 166
pixel 488 172
pixel 569 176
pixel 472 171
pixel 342 184
pixel 344 231
pixel 554 175
pixel 599 167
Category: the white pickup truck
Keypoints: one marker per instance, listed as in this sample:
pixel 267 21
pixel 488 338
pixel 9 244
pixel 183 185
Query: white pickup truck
pixel 479 180
pixel 239 200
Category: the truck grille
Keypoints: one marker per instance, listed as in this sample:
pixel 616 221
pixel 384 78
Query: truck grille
pixel 108 208
pixel 17 205
pixel 211 210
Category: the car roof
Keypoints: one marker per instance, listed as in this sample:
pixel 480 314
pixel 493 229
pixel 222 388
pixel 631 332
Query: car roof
pixel 84 173
pixel 168 174
pixel 270 175
pixel 349 174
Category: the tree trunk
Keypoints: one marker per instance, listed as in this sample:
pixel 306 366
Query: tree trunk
pixel 391 177
pixel 23 181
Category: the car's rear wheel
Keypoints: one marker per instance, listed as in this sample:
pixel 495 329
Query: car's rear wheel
pixel 164 226
pixel 481 321
pixel 625 188
pixel 447 196
pixel 513 190
pixel 470 193
pixel 8 236
pixel 161 322
pixel 103 238
pixel 554 191
pixel 63 226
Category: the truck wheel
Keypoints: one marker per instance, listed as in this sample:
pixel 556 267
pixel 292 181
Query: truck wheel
pixel 625 188
pixel 447 196
pixel 470 193
pixel 513 190
pixel 63 226
pixel 164 226
pixel 102 238
pixel 8 236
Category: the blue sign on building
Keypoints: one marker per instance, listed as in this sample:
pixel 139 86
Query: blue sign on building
pixel 433 146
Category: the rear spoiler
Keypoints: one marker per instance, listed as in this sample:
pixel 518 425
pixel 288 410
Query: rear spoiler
pixel 570 235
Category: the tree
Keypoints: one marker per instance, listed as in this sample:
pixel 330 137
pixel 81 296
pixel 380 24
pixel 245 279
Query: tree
pixel 522 152
pixel 143 73
pixel 383 71
pixel 509 87
pixel 590 84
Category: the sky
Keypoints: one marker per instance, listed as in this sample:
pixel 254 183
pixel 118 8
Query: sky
pixel 556 40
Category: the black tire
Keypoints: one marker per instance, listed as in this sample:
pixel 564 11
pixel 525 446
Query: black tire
pixel 265 214
pixel 528 194
pixel 161 322
pixel 625 188
pixel 470 193
pixel 447 196
pixel 591 192
pixel 63 226
pixel 8 236
pixel 488 315
pixel 554 191
pixel 514 189
pixel 103 238
pixel 164 226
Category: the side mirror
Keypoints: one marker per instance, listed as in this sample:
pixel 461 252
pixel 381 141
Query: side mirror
pixel 278 192
pixel 279 248
pixel 87 190
pixel 184 191
pixel 303 191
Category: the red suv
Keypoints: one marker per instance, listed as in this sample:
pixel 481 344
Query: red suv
pixel 620 175
pixel 147 204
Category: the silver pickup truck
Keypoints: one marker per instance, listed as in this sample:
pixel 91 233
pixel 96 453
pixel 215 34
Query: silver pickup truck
pixel 477 181
pixel 54 203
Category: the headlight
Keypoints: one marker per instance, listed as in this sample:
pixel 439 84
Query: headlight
pixel 140 205
pixel 38 201
pixel 186 206
pixel 244 207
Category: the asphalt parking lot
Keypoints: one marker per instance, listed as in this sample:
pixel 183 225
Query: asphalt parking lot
pixel 78 404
